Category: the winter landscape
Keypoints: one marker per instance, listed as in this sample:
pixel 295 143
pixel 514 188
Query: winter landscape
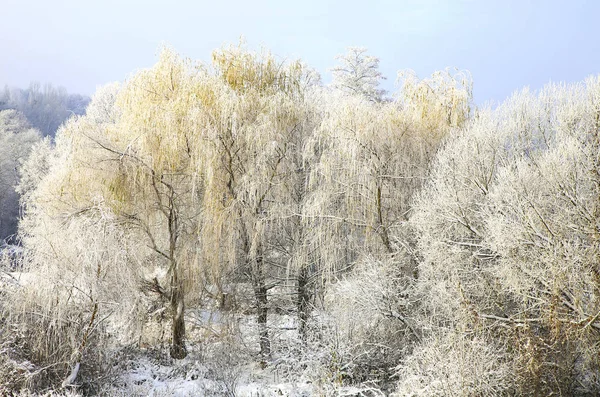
pixel 235 225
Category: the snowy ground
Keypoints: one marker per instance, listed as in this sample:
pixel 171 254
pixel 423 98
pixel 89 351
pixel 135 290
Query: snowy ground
pixel 190 377
pixel 228 367
pixel 223 358
pixel 218 364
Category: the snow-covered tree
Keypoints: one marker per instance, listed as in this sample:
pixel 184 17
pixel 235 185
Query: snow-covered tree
pixel 254 149
pixel 372 157
pixel 442 100
pixel 188 160
pixel 16 139
pixel 368 162
pixel 46 107
pixel 129 164
pixel 358 74
pixel 508 234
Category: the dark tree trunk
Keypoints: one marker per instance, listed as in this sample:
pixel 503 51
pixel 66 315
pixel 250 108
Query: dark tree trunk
pixel 262 308
pixel 178 349
pixel 381 228
pixel 303 302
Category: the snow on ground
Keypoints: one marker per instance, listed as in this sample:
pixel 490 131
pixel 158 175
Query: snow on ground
pixel 154 377
pixel 215 366
pixel 223 358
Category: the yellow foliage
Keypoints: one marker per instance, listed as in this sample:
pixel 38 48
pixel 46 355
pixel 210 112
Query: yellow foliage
pixel 245 71
pixel 443 100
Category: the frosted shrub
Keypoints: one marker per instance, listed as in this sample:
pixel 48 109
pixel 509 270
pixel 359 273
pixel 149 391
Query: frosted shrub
pixel 371 322
pixel 452 364
pixel 507 228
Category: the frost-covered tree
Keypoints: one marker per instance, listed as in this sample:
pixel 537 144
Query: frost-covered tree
pixel 508 233
pixel 130 162
pixel 82 274
pixel 16 139
pixel 358 74
pixel 189 160
pixel 45 107
pixel 254 147
pixel 371 158
pixel 369 161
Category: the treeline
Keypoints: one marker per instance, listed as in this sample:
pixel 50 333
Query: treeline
pixel 16 140
pixel 27 115
pixel 46 107
pixel 424 247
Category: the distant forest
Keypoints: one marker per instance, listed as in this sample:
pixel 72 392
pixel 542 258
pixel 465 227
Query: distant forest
pixel 46 107
pixel 39 110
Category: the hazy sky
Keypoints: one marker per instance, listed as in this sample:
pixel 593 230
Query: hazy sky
pixel 506 44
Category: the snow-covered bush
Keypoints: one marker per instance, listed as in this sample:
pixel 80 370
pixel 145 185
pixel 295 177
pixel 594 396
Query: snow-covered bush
pixel 508 232
pixel 370 326
pixel 454 364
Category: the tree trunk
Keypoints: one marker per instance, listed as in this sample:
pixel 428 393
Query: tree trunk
pixel 381 228
pixel 262 309
pixel 303 302
pixel 178 349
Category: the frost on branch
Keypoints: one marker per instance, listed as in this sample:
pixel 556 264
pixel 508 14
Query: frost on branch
pixel 358 74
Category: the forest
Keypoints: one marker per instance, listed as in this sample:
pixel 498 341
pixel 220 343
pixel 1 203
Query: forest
pixel 26 115
pixel 239 228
